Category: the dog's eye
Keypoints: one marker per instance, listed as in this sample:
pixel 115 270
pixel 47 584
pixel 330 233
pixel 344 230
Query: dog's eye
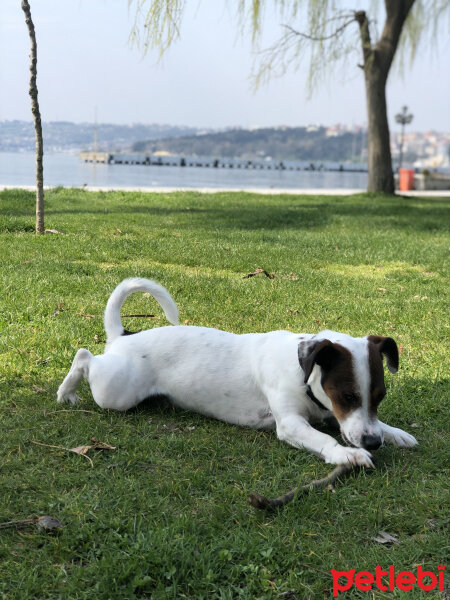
pixel 350 399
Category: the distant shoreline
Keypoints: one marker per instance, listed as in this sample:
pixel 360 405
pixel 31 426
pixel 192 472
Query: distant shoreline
pixel 311 143
pixel 69 171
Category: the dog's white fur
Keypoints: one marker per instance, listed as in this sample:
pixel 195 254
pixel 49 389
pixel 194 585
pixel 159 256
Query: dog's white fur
pixel 252 379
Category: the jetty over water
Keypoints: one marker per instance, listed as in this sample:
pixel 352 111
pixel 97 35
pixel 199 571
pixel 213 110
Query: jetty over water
pixel 218 163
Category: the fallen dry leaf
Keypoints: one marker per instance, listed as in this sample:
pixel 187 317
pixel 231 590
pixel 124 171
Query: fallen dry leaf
pixel 38 389
pixel 47 523
pixel 384 537
pixel 75 450
pixel 80 449
pixel 86 316
pixel 101 445
pixel 171 427
pixel 96 445
pixel 259 272
pixel 59 309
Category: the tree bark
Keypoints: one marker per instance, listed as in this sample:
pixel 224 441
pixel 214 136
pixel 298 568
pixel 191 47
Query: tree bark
pixel 377 63
pixel 379 160
pixel 33 91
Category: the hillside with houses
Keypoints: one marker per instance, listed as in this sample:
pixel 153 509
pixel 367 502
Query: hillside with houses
pixel 340 143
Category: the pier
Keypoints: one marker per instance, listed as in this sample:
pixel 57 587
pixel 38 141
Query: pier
pixel 218 163
pixel 95 157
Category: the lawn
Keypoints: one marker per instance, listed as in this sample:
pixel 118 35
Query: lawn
pixel 165 514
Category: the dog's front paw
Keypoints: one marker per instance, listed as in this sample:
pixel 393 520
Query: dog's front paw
pixel 341 455
pixel 70 398
pixel 400 438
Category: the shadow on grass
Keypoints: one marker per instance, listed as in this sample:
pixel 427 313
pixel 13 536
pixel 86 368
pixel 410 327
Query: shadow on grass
pixel 247 211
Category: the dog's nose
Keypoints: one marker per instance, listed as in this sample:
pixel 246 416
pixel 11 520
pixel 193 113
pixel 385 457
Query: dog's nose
pixel 371 442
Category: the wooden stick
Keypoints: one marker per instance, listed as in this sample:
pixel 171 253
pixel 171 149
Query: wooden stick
pixel 63 448
pixel 72 410
pixel 261 502
pixel 44 523
pixel 23 523
pixel 140 316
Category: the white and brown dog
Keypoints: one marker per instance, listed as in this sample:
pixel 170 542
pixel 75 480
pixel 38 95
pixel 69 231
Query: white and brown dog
pixel 263 380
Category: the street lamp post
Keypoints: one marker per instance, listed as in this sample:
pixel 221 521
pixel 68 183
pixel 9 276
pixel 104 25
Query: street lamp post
pixel 404 119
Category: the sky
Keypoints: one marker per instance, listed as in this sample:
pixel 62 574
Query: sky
pixel 86 65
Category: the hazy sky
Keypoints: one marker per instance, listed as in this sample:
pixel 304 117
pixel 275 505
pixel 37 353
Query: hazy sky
pixel 85 61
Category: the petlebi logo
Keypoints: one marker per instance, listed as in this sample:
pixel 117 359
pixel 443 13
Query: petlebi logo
pixel 388 580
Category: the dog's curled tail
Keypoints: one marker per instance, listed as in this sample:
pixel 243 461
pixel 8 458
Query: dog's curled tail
pixel 112 321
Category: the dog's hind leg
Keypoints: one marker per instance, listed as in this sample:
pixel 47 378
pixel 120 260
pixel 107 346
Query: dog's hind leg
pixel 78 371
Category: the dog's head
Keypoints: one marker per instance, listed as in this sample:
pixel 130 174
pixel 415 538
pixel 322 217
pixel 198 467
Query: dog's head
pixel 346 374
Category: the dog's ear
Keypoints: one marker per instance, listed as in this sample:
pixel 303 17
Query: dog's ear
pixel 387 347
pixel 323 353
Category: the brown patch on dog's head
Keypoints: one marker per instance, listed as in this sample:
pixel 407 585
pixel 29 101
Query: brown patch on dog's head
pixel 338 377
pixel 378 347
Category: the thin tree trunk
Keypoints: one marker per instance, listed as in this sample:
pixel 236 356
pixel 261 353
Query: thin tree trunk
pixel 37 121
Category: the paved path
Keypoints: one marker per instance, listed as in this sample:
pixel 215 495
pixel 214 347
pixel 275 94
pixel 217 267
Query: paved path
pixel 266 191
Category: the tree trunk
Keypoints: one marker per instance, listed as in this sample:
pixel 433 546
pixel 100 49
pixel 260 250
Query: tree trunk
pixel 37 121
pixel 379 162
pixel 377 62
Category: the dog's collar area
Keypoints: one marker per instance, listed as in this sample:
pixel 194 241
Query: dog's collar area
pixel 126 332
pixel 316 401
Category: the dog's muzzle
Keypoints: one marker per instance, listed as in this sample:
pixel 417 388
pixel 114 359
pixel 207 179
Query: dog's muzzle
pixel 371 442
pixel 346 440
pixel 368 442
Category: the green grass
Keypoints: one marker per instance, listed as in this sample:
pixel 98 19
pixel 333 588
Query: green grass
pixel 166 515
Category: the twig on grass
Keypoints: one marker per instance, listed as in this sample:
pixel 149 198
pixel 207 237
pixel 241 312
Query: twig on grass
pixel 17 524
pixel 141 316
pixel 262 502
pixel 65 410
pixel 63 448
pixel 314 569
pixel 44 523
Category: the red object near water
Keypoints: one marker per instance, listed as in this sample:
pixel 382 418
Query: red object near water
pixel 405 179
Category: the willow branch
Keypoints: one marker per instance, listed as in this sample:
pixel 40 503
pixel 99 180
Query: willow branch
pixel 324 38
